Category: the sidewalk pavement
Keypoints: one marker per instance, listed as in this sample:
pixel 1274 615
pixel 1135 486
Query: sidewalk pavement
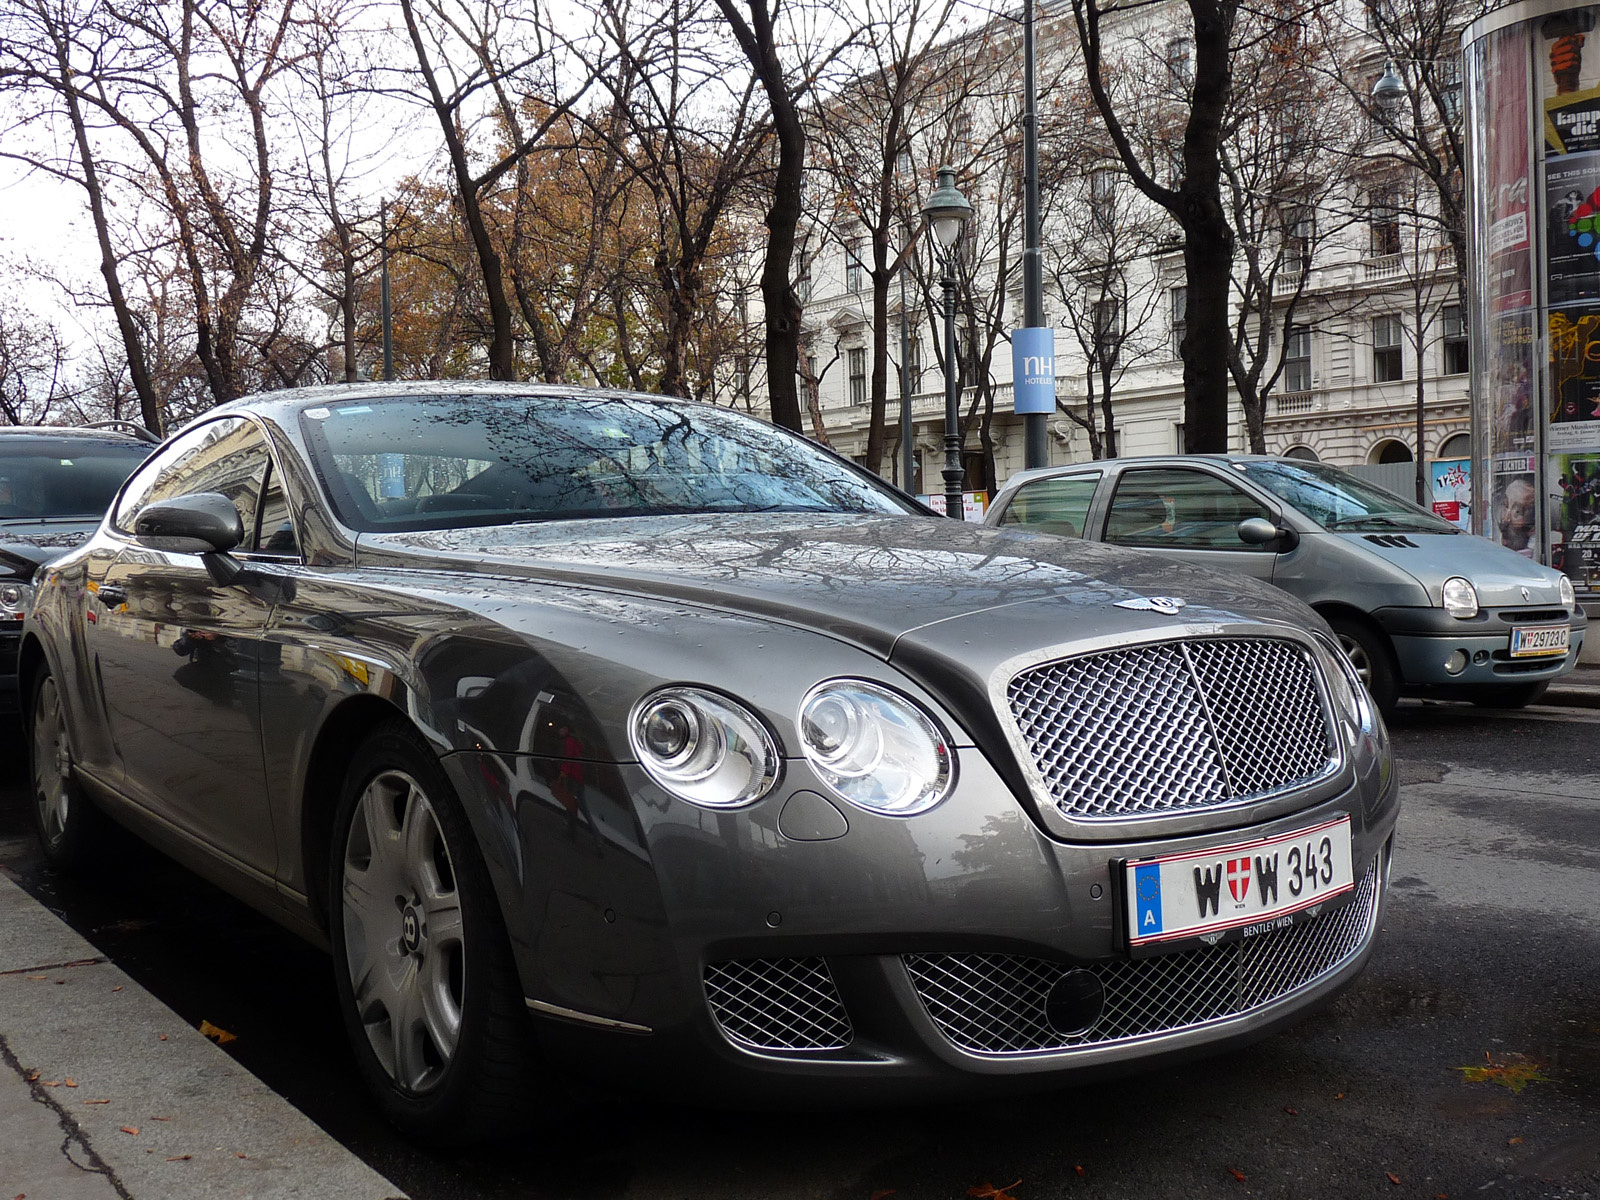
pixel 106 1094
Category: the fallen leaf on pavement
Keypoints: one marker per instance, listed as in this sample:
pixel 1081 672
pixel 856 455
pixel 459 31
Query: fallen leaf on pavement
pixel 161 1118
pixel 131 1129
pixel 1340 1096
pixel 180 1158
pixel 1515 1072
pixel 221 1036
pixel 1293 1112
pixel 162 1036
pixel 51 1082
pixel 97 1102
pixel 30 1076
pixel 881 1193
pixel 71 1082
pixel 1516 1141
pixel 236 1154
pixel 988 1191
pixel 1079 1169
pixel 1392 1178
pixel 38 978
pixel 1236 1173
pixel 118 988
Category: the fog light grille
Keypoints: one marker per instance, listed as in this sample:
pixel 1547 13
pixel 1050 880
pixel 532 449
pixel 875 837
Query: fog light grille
pixel 995 1003
pixel 778 1004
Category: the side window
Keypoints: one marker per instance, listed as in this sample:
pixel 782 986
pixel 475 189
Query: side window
pixel 1179 509
pixel 228 456
pixel 276 536
pixel 1053 505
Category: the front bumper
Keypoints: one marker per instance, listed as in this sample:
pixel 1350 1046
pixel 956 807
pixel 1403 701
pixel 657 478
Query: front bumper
pixel 1424 639
pixel 711 953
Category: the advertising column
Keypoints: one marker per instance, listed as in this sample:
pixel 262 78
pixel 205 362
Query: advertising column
pixel 1567 52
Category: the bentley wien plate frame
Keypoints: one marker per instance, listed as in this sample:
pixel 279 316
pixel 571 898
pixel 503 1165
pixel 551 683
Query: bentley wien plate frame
pixel 1235 891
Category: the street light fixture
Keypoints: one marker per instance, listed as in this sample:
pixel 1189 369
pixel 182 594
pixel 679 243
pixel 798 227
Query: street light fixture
pixel 947 213
pixel 1390 89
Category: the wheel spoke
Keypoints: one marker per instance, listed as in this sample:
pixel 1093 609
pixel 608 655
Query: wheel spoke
pixel 444 925
pixel 417 834
pixel 407 1027
pixel 441 1009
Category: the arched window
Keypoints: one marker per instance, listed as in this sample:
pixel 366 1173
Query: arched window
pixel 1305 453
pixel 1457 445
pixel 1390 451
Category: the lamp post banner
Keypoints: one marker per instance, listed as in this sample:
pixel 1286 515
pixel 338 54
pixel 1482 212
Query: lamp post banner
pixel 1033 370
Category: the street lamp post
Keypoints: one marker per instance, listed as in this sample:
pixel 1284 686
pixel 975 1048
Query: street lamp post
pixel 947 213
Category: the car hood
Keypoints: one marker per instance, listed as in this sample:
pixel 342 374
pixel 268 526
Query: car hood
pixel 869 580
pixel 1498 574
pixel 27 545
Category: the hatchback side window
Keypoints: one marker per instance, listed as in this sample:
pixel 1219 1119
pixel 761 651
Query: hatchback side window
pixel 1053 505
pixel 228 455
pixel 1180 509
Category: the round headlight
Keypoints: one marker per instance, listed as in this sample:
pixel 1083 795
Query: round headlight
pixel 1460 598
pixel 15 600
pixel 1568 597
pixel 703 747
pixel 875 748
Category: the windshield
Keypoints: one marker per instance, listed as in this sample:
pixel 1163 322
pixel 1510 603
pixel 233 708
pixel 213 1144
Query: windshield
pixel 441 462
pixel 1339 501
pixel 43 478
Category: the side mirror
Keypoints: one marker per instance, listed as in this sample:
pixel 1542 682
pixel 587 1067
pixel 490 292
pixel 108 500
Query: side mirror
pixel 204 523
pixel 1258 531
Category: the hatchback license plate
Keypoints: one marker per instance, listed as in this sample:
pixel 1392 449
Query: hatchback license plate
pixel 1239 890
pixel 1530 641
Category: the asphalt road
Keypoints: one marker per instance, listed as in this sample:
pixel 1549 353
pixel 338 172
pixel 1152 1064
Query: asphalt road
pixel 1489 959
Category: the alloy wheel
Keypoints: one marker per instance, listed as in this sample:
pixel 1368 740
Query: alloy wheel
pixel 52 763
pixel 1357 654
pixel 403 934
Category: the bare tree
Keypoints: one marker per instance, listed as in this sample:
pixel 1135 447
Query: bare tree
pixel 33 364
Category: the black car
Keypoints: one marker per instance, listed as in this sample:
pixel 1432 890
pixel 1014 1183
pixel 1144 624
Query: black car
pixel 55 485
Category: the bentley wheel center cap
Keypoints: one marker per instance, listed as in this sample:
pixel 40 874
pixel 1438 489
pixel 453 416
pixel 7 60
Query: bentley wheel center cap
pixel 411 932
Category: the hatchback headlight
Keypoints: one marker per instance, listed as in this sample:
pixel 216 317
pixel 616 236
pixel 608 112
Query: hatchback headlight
pixel 1568 597
pixel 875 748
pixel 1460 598
pixel 15 600
pixel 703 747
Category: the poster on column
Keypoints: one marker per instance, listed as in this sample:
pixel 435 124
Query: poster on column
pixel 1575 516
pixel 1510 383
pixel 1569 77
pixel 1572 225
pixel 1574 379
pixel 1510 258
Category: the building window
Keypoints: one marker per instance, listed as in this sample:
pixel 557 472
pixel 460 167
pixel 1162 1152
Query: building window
pixel 1179 299
pixel 1299 236
pixel 1103 195
pixel 961 132
pixel 1380 15
pixel 858 377
pixel 1386 361
pixel 914 365
pixel 854 269
pixel 1454 330
pixel 1448 77
pixel 1179 441
pixel 1107 330
pixel 1180 60
pixel 1383 219
pixel 1297 359
pixel 802 282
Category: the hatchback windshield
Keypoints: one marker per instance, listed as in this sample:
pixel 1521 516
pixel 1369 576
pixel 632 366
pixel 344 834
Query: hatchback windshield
pixel 45 478
pixel 1341 502
pixel 451 461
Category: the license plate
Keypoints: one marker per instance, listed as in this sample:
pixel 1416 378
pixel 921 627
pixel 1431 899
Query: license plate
pixel 1237 891
pixel 1529 641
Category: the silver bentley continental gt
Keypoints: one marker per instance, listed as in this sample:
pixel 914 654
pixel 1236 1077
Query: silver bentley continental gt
pixel 602 730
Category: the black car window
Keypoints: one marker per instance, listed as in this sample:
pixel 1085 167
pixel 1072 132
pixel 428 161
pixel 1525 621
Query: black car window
pixel 228 455
pixel 1053 505
pixel 1180 509
pixel 439 462
pixel 275 534
pixel 44 477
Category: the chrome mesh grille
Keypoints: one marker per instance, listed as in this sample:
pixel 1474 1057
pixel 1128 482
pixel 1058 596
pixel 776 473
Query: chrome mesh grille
pixel 995 1003
pixel 778 1004
pixel 1173 726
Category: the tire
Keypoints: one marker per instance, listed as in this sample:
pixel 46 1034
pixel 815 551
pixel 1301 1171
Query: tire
pixel 418 935
pixel 1507 695
pixel 1372 658
pixel 72 831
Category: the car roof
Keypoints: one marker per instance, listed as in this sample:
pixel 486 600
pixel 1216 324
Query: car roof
pixel 68 433
pixel 1143 460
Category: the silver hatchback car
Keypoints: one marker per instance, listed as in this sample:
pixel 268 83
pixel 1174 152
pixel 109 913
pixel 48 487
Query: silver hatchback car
pixel 1421 607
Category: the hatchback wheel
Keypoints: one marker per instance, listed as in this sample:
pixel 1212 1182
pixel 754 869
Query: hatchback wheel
pixel 422 962
pixel 1368 651
pixel 70 828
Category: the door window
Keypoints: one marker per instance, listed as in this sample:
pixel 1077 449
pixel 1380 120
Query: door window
pixel 276 535
pixel 1053 505
pixel 228 455
pixel 1180 509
